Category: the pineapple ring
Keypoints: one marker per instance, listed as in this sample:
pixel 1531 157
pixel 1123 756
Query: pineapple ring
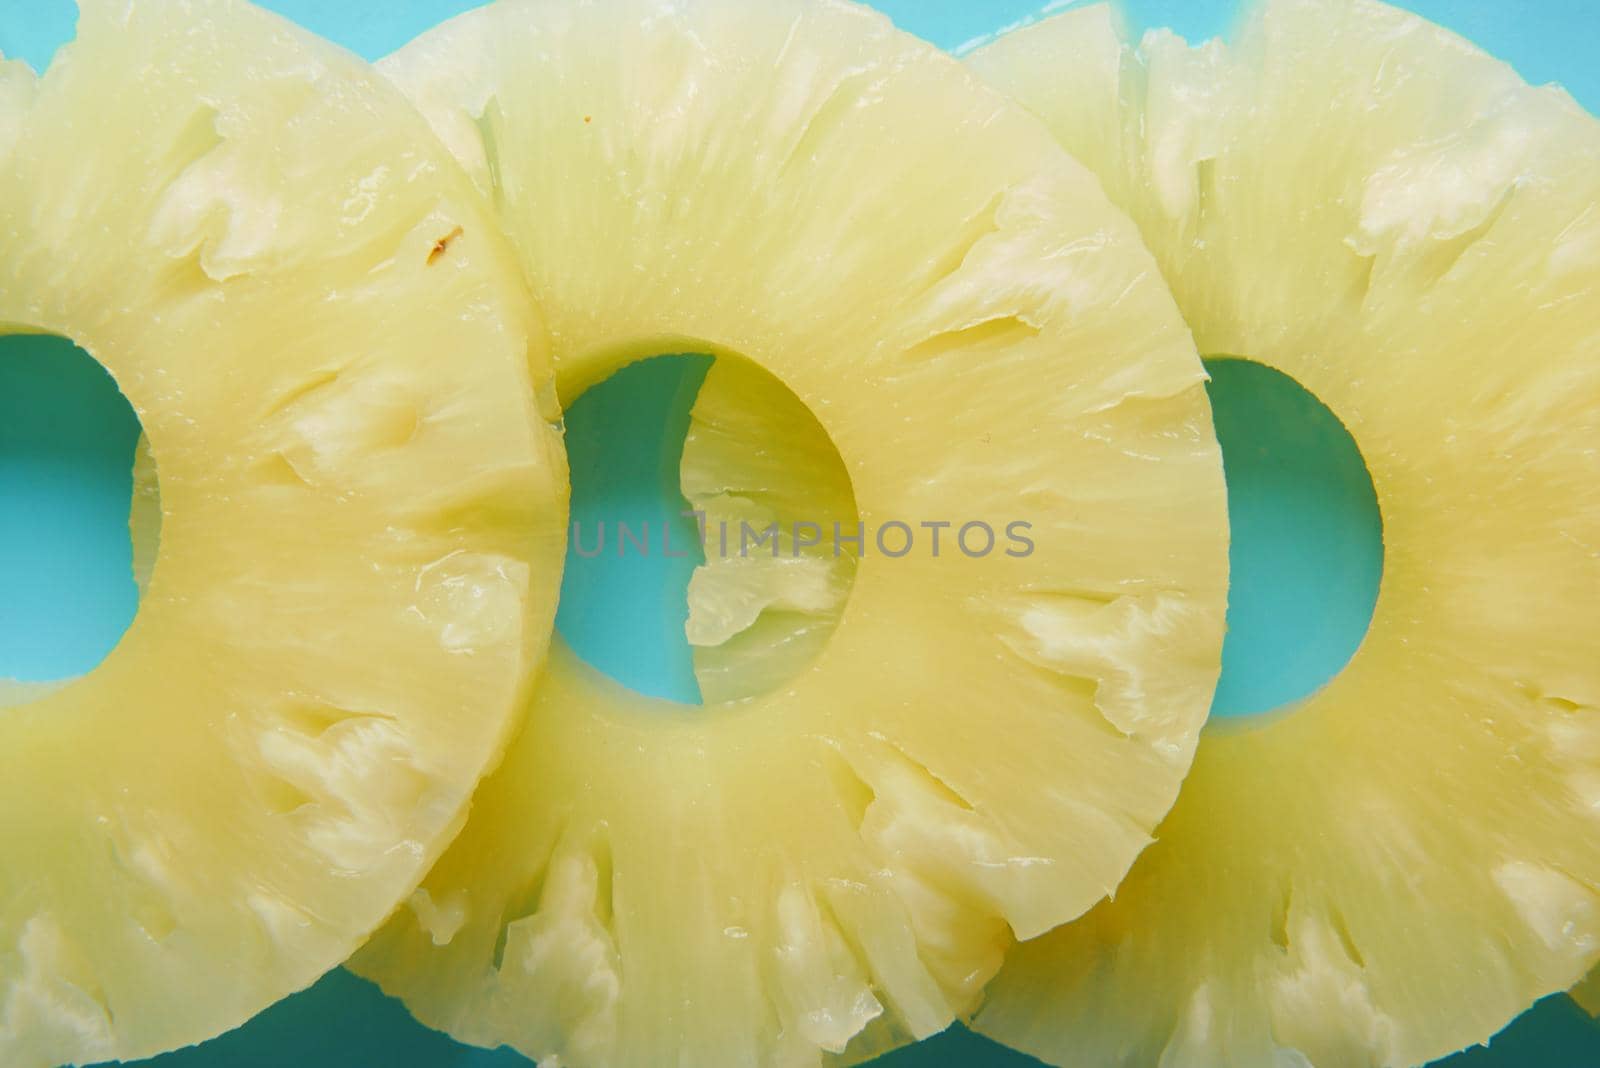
pixel 984 744
pixel 328 654
pixel 1390 873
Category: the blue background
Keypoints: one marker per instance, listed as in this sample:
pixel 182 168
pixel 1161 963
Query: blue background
pixel 66 446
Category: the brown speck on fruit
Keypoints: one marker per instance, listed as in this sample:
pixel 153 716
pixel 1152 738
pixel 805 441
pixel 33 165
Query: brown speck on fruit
pixel 441 246
pixel 588 119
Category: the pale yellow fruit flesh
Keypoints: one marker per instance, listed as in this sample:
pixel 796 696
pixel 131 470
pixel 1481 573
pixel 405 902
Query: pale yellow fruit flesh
pixel 754 457
pixel 1587 993
pixel 362 534
pixel 1395 867
pixel 144 515
pixel 983 745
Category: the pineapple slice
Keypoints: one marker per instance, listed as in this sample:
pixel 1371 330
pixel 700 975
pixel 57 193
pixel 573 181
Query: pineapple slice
pixel 1587 993
pixel 983 744
pixel 1393 868
pixel 756 456
pixel 144 515
pixel 362 532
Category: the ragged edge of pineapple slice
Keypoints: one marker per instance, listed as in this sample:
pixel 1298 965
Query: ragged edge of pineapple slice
pixel 755 457
pixel 329 345
pixel 1396 867
pixel 984 744
pixel 1587 993
pixel 144 514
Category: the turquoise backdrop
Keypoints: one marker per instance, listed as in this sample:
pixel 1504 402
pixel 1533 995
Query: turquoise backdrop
pixel 66 441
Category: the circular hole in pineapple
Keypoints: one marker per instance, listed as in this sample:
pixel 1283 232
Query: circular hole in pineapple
pixel 68 438
pixel 1307 551
pixel 683 467
pixel 36 38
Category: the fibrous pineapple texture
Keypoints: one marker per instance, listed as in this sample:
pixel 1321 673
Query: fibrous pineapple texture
pixel 144 514
pixel 985 742
pixel 360 507
pixel 755 456
pixel 1587 993
pixel 1396 866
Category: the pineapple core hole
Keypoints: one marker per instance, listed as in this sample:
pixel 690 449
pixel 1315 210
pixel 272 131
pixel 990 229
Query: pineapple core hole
pixel 1307 552
pixel 67 444
pixel 676 585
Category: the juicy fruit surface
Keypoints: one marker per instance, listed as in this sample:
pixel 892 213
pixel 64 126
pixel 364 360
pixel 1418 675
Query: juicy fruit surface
pixel 1587 993
pixel 755 456
pixel 240 223
pixel 983 745
pixel 1394 868
pixel 144 514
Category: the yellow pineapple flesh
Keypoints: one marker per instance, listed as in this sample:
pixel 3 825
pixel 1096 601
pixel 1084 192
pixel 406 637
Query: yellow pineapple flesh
pixel 1587 993
pixel 144 514
pixel 755 456
pixel 834 863
pixel 1393 868
pixel 361 517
